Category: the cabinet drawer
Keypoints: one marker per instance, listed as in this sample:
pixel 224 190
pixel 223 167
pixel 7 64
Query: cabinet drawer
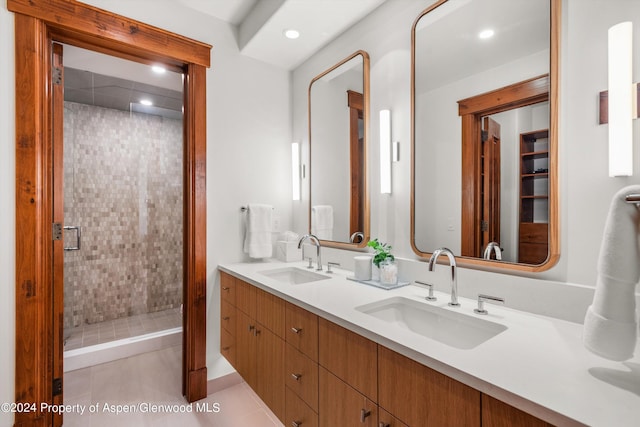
pixel 420 396
pixel 349 356
pixel 298 413
pixel 301 376
pixel 270 312
pixel 496 413
pixel 385 419
pixel 228 317
pixel 246 298
pixel 227 288
pixel 341 405
pixel 228 346
pixel 301 330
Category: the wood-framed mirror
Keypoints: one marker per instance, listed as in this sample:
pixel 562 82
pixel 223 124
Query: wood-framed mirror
pixel 338 131
pixel 484 132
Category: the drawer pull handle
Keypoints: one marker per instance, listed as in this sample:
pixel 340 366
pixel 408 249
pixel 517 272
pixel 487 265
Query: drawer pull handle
pixel 225 288
pixel 251 328
pixel 226 348
pixel 383 424
pixel 296 376
pixel 364 414
pixel 225 318
pixel 296 423
pixel 296 330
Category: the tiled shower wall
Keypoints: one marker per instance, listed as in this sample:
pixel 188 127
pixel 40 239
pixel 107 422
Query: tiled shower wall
pixel 123 186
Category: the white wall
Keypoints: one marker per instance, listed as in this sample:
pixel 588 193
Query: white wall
pixel 248 151
pixel 585 188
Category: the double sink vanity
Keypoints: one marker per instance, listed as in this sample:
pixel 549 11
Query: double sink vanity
pixel 321 349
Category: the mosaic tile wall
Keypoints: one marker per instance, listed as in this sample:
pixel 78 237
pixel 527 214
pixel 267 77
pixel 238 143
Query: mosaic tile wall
pixel 123 186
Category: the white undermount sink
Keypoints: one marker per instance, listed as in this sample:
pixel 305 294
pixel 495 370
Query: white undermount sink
pixel 293 275
pixel 446 326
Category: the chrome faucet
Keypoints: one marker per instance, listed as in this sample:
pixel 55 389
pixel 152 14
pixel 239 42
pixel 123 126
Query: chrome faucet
pixel 454 280
pixel 495 248
pixel 316 242
pixel 355 235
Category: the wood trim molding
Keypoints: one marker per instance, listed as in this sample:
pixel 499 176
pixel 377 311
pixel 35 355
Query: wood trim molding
pixel 472 110
pixel 82 22
pixel 195 259
pixel 37 23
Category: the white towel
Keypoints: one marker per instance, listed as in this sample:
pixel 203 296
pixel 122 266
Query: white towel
pixel 322 222
pixel 610 326
pixel 257 241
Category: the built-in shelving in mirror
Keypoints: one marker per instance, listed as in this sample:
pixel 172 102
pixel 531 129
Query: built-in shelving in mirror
pixel 484 130
pixel 338 122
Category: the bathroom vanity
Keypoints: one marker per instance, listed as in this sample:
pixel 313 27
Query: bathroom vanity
pixel 322 350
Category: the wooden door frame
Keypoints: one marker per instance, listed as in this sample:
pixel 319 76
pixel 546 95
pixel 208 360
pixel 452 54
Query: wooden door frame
pixel 37 23
pixel 355 102
pixel 471 110
pixel 491 201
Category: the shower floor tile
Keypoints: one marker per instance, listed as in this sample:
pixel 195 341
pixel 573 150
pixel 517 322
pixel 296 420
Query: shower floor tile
pixel 126 327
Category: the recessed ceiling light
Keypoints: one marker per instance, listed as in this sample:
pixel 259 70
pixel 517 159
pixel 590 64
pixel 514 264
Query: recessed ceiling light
pixel 291 34
pixel 146 102
pixel 486 34
pixel 158 69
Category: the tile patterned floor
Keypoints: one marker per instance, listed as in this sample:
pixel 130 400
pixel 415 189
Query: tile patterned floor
pixel 154 378
pixel 125 327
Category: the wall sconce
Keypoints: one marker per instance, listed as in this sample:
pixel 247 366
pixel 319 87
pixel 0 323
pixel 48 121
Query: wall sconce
pixel 385 151
pixel 295 170
pixel 618 107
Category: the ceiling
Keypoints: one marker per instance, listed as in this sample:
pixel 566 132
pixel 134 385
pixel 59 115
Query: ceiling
pixel 105 81
pixel 261 24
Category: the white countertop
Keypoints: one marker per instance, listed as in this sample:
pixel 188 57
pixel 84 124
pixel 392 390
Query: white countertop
pixel 538 364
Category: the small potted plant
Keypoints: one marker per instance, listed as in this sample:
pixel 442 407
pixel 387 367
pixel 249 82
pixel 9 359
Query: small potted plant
pixel 385 262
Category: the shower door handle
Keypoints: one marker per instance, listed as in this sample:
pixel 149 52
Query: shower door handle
pixel 78 231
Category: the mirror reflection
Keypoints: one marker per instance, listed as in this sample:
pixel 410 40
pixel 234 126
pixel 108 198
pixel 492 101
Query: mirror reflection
pixel 338 113
pixel 481 127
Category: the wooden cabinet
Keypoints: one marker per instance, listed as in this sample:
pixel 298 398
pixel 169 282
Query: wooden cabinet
pixel 246 345
pixel 348 377
pixel 420 396
pixel 227 288
pixel 228 317
pixel 385 419
pixel 301 376
pixel 270 312
pixel 301 330
pixel 228 346
pixel 496 413
pixel 342 405
pixel 246 295
pixel 534 197
pixel 301 366
pixel 297 412
pixel 251 339
pixel 269 359
pixel 349 356
pixel 312 372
